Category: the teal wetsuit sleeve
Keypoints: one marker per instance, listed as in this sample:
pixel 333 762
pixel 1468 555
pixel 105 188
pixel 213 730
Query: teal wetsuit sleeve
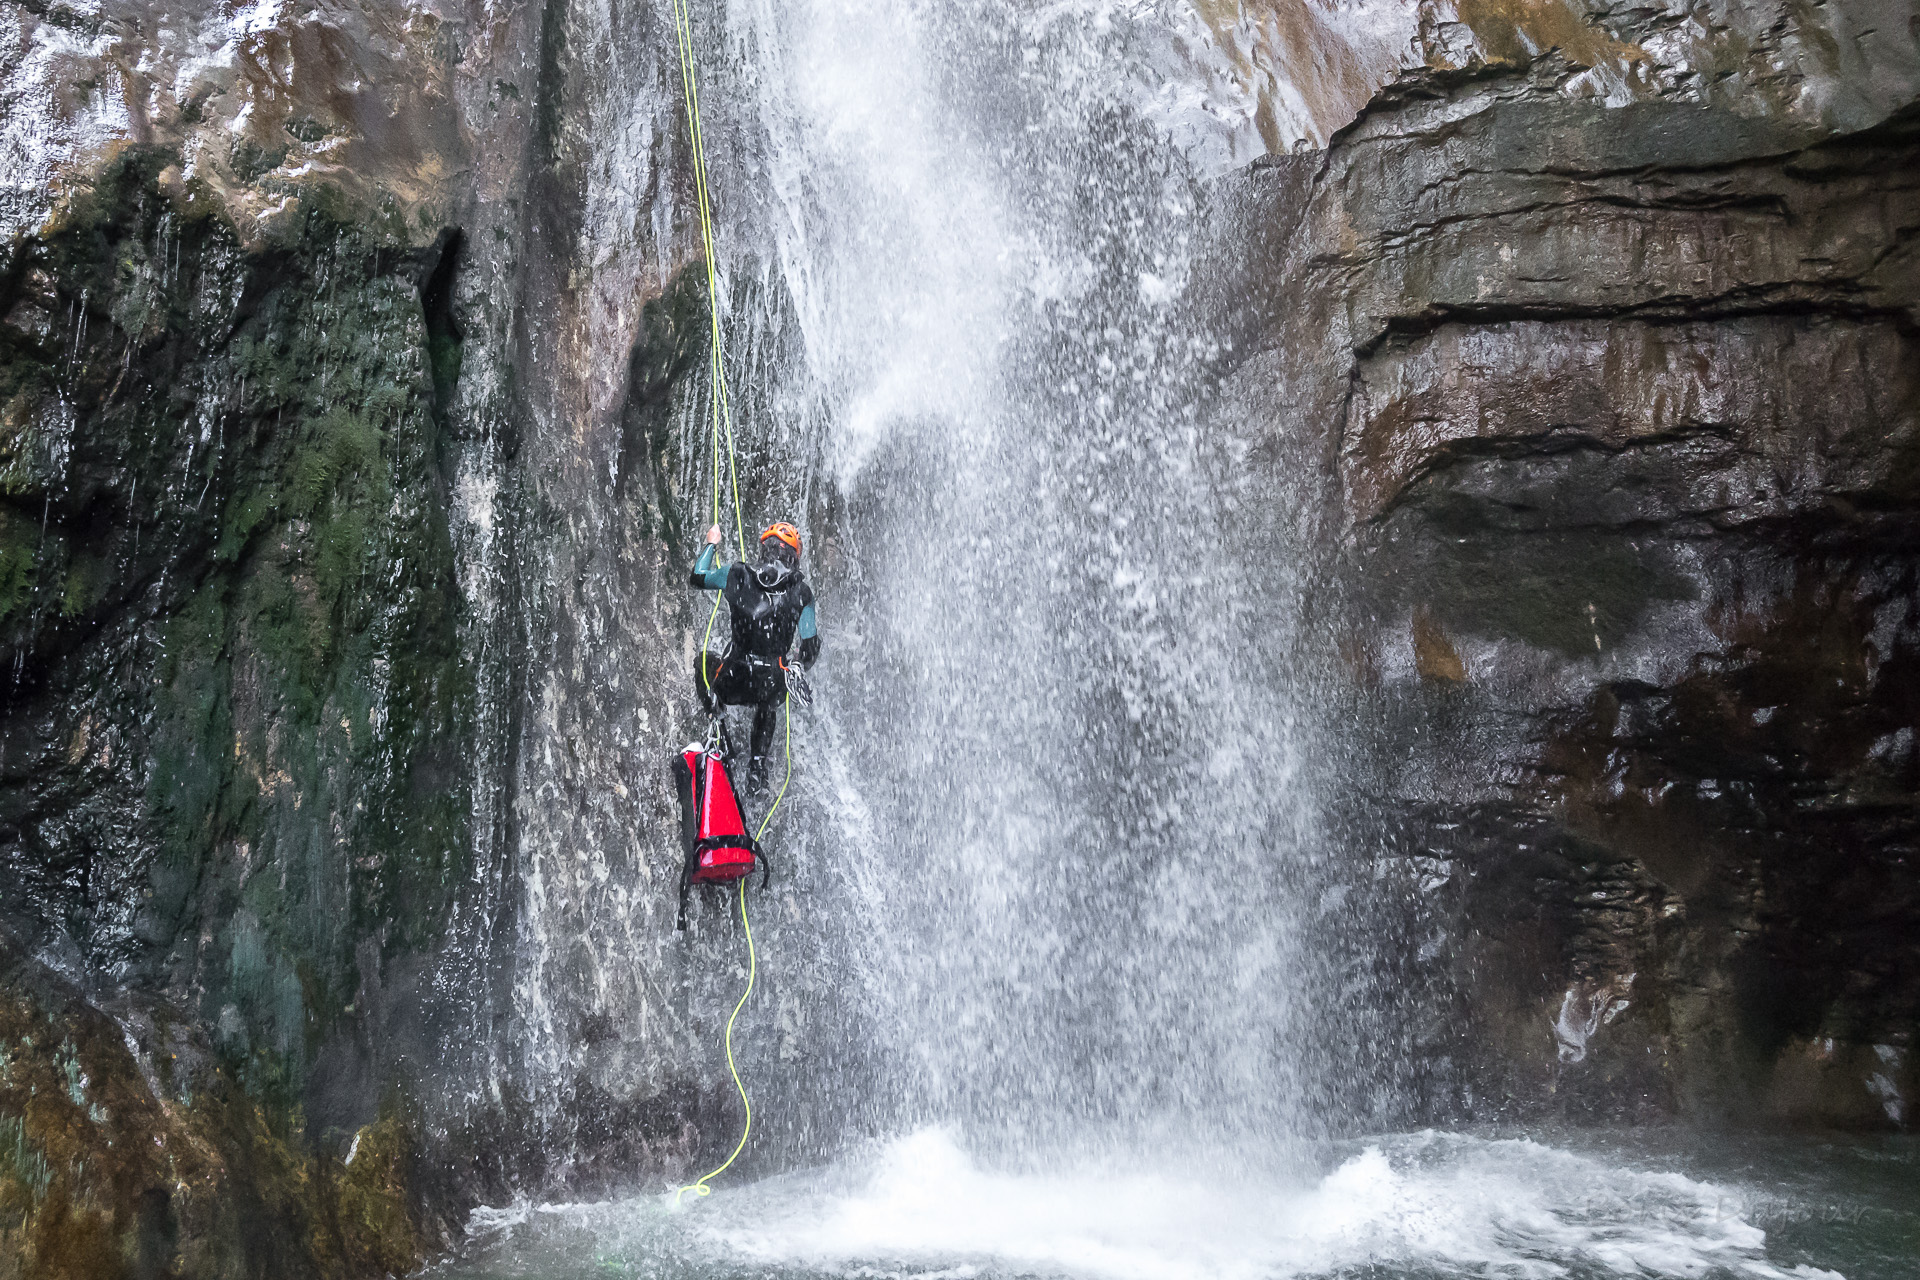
pixel 704 572
pixel 807 628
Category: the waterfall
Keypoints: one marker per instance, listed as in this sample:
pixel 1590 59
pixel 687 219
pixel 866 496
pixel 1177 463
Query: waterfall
pixel 1047 834
pixel 1052 852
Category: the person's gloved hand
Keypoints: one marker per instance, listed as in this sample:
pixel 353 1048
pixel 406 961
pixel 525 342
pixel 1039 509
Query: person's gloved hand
pixel 809 650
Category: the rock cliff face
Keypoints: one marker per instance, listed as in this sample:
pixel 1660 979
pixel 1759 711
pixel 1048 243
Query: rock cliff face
pixel 283 297
pixel 236 710
pixel 1617 429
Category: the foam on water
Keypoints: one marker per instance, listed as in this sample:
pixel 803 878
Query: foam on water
pixel 1427 1204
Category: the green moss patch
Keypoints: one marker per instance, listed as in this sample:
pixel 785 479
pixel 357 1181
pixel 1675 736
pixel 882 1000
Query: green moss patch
pixel 228 598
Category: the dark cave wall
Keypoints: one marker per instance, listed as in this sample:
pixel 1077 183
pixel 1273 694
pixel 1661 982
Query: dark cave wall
pixel 1611 421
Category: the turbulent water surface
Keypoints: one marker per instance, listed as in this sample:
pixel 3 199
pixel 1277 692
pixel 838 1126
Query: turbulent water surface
pixel 1633 1203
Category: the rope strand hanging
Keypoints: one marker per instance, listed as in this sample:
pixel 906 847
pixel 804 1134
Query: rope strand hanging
pixel 700 1187
pixel 716 364
pixel 703 199
pixel 722 429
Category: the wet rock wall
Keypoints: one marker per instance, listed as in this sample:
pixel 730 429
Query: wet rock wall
pixel 1607 419
pixel 277 320
pixel 344 418
pixel 236 798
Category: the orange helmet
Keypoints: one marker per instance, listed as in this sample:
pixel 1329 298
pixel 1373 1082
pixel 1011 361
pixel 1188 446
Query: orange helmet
pixel 783 531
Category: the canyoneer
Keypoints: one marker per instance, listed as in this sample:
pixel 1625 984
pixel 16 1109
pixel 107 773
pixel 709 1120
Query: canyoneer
pixel 770 603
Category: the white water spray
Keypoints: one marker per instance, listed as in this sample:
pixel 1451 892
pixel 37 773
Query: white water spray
pixel 1075 813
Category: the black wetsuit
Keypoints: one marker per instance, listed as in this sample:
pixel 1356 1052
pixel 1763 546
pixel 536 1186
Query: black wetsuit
pixel 769 605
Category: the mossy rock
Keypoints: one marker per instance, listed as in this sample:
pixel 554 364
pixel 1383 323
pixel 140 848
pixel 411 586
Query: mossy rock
pixel 240 708
pixel 104 1178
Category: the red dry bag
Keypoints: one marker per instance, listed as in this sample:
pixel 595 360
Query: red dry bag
pixel 712 830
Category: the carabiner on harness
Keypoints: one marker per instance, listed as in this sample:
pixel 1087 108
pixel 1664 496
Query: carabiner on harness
pixel 797 683
pixel 717 743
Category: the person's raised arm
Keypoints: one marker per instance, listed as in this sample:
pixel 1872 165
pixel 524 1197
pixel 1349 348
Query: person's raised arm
pixel 705 571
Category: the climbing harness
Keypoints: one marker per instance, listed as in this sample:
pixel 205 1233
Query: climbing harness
pixel 718 847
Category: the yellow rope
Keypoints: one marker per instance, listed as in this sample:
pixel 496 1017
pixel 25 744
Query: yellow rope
pixel 722 423
pixel 700 1188
pixel 786 715
pixel 722 403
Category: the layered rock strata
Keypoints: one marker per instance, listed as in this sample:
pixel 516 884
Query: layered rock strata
pixel 1615 419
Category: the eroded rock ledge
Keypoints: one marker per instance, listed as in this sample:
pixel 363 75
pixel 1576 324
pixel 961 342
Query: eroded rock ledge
pixel 1614 417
